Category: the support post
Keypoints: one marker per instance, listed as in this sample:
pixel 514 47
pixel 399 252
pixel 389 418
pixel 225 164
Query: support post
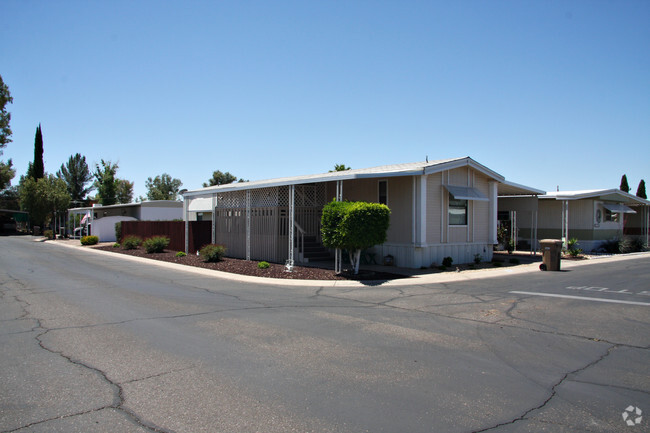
pixel 338 254
pixel 493 211
pixel 214 219
pixel 248 224
pixel 187 225
pixel 292 221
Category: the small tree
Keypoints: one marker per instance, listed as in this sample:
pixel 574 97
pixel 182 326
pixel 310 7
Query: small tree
pixel 624 186
pixel 640 191
pixel 354 226
pixel 340 167
pixel 123 191
pixel 105 183
pixel 42 198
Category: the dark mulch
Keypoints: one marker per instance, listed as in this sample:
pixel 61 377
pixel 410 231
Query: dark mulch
pixel 245 267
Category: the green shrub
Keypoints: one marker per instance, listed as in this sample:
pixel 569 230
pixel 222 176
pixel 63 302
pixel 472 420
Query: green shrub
pixel 610 247
pixel 263 265
pixel 89 240
pixel 477 258
pixel 514 261
pixel 447 261
pixel 632 244
pixel 131 242
pixel 212 252
pixel 156 244
pixel 572 247
pixel 497 264
pixel 48 234
pixel 180 254
pixel 118 231
pixel 116 245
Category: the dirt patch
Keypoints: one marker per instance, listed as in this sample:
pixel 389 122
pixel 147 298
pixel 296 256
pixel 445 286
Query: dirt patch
pixel 245 267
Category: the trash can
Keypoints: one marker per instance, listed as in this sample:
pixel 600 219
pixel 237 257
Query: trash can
pixel 551 254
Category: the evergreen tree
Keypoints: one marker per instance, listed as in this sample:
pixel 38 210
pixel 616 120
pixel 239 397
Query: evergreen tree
pixel 624 186
pixel 42 198
pixel 76 175
pixel 38 168
pixel 640 191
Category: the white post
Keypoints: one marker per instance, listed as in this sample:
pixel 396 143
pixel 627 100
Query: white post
pixel 187 225
pixel 493 209
pixel 292 211
pixel 338 256
pixel 214 218
pixel 248 224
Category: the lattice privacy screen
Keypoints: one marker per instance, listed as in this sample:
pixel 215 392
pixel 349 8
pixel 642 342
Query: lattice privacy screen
pixel 310 195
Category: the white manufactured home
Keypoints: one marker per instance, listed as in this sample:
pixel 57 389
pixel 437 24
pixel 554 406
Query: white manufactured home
pixel 438 209
pixel 593 217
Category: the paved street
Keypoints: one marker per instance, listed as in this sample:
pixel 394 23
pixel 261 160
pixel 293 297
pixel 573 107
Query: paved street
pixel 93 341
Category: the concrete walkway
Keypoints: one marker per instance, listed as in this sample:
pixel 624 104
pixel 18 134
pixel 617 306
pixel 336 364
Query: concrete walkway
pixel 416 276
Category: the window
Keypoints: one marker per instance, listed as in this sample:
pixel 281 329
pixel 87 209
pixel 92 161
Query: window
pixel 383 192
pixel 611 216
pixel 457 212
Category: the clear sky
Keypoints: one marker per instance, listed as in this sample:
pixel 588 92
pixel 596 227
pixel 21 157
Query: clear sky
pixel 545 93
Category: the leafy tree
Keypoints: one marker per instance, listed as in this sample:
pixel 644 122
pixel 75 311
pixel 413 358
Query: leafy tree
pixel 640 191
pixel 37 167
pixel 43 197
pixel 219 178
pixel 105 182
pixel 624 186
pixel 124 191
pixel 5 116
pixel 76 175
pixel 7 173
pixel 340 167
pixel 6 170
pixel 354 226
pixel 10 199
pixel 163 187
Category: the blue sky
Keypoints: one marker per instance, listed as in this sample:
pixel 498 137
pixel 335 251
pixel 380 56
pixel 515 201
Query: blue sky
pixel 546 93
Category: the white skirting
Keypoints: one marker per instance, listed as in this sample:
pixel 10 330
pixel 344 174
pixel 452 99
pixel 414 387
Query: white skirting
pixel 409 256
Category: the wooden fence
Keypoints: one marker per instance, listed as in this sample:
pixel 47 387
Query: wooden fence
pixel 200 232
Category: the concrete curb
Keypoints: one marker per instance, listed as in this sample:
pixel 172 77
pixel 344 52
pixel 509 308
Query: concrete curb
pixel 414 280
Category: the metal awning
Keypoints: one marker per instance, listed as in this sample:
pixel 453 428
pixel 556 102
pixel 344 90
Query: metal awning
pixel 466 193
pixel 618 208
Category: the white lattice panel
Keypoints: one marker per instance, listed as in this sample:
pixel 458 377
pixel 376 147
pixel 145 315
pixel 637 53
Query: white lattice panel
pixel 233 199
pixel 264 197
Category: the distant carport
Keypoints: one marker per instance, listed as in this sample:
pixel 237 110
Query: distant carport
pixel 520 201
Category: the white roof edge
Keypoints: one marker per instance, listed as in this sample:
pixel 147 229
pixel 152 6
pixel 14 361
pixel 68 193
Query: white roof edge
pixel 119 205
pixel 533 191
pixel 577 195
pixel 407 169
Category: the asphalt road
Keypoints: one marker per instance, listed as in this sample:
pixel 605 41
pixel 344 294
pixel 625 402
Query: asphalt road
pixel 96 342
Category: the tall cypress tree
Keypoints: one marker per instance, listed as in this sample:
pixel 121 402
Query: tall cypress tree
pixel 624 186
pixel 38 168
pixel 640 191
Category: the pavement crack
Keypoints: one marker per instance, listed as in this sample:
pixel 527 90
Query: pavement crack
pixel 553 392
pixel 164 373
pixel 118 392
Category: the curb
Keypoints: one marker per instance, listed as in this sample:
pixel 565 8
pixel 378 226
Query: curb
pixel 414 280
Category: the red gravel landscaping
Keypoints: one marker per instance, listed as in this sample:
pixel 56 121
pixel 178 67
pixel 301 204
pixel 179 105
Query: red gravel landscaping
pixel 245 267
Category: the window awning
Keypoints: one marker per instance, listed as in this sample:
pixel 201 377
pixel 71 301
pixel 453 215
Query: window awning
pixel 466 193
pixel 618 208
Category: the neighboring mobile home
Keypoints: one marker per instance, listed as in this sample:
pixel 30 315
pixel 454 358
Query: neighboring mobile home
pixel 593 217
pixel 102 219
pixel 438 209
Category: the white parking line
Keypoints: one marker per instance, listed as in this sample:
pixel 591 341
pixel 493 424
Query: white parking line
pixel 583 298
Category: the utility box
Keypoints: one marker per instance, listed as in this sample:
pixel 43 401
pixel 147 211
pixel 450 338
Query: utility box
pixel 551 254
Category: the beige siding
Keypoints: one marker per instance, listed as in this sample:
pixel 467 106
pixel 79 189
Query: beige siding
pixel 481 211
pixel 400 202
pixel 434 202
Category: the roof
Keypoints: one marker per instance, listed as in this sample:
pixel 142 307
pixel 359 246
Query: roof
pixel 408 169
pixel 615 195
pixel 507 188
pixel 148 203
